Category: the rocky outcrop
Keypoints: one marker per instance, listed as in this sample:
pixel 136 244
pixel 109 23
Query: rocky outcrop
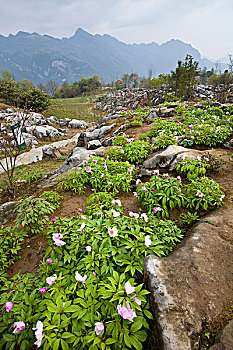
pixel 76 158
pixel 96 134
pixel 6 212
pixel 224 340
pixel 193 282
pixel 169 158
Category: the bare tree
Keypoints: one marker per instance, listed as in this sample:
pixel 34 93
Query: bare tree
pixel 11 145
pixel 230 65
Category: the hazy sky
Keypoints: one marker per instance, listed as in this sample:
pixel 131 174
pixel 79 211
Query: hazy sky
pixel 206 24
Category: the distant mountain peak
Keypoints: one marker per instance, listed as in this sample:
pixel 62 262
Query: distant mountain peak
pixel 40 58
pixel 81 32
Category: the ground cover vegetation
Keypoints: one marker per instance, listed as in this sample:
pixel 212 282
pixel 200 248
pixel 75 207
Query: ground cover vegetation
pixel 88 292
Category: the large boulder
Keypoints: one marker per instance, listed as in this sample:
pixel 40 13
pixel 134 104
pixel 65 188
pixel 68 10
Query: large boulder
pixel 224 340
pixel 7 212
pixel 193 282
pixel 93 144
pixel 169 157
pixel 45 131
pixel 76 158
pixel 77 124
pixel 96 134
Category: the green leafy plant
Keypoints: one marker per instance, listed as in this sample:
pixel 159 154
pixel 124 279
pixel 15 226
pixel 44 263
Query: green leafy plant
pixel 32 214
pixel 52 197
pixel 102 201
pixel 193 167
pixel 203 193
pixel 186 220
pixel 11 240
pixel 120 140
pixel 136 151
pixel 164 140
pixel 32 174
pixel 93 283
pixel 160 194
pixel 99 174
pixel 115 153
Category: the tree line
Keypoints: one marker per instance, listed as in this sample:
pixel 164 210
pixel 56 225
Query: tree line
pixel 179 84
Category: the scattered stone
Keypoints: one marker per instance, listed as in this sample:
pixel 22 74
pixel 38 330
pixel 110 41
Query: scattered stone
pixel 93 144
pixel 76 158
pixel 192 282
pixel 50 152
pixel 165 112
pixel 6 212
pixel 52 120
pixel 77 124
pixel 45 131
pixel 96 134
pixel 107 142
pixel 229 144
pixel 169 157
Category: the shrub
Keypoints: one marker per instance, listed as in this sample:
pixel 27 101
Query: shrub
pixel 136 151
pixel 203 193
pixel 193 167
pixel 52 197
pixel 115 153
pixel 164 140
pixel 160 194
pixel 10 243
pixel 32 214
pixel 99 174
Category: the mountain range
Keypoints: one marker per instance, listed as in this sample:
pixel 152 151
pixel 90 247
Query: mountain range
pixel 40 58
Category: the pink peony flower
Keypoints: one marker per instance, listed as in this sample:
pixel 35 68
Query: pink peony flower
pixel 136 195
pixel 128 288
pixel 200 194
pixel 126 312
pixel 144 188
pixel 222 197
pixel 80 210
pixel 99 327
pixel 8 306
pixel 88 169
pixel 115 213
pixel 49 261
pixel 147 241
pixel 156 172
pixel 53 220
pixel 179 178
pixel 59 242
pixel 137 301
pixel 43 290
pixel 156 209
pixel 117 201
pixel 80 278
pixel 82 226
pixel 133 215
pixel 19 326
pixel 57 236
pixel 38 333
pixel 144 217
pixel 130 170
pixel 50 280
pixel 113 232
